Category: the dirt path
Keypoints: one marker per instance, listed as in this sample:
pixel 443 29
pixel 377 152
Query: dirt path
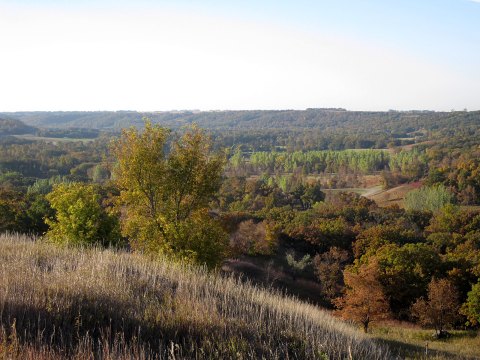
pixel 374 190
pixel 367 192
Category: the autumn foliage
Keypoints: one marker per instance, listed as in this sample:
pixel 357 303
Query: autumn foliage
pixel 364 300
pixel 165 195
pixel 440 310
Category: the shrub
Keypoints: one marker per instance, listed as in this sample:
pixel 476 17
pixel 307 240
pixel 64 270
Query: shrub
pixel 297 266
pixel 253 238
pixel 80 218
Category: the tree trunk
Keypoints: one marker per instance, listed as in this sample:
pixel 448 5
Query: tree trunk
pixel 365 326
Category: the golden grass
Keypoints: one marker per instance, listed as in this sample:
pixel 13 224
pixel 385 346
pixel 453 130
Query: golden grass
pixel 60 303
pixel 412 343
pixel 392 196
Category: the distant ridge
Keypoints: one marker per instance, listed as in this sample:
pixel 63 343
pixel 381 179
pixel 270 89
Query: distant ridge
pixel 321 119
pixel 14 127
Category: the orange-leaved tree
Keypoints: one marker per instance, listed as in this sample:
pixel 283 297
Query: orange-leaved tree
pixel 364 300
pixel 329 268
pixel 440 310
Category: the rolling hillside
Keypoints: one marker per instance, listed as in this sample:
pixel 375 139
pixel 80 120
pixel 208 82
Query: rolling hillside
pixel 64 303
pixel 389 122
pixel 14 127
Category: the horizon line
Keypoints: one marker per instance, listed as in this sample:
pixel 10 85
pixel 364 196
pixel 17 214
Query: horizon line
pixel 236 110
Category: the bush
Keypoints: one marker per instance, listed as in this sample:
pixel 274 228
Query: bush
pixel 253 238
pixel 80 218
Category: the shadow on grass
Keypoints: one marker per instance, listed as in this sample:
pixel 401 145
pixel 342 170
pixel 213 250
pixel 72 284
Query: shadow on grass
pixel 100 319
pixel 257 273
pixel 103 324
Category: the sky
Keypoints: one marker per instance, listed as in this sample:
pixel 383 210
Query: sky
pixel 161 55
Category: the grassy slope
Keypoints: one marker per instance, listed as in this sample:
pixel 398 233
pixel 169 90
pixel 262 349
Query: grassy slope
pixel 412 342
pixel 392 196
pixel 58 303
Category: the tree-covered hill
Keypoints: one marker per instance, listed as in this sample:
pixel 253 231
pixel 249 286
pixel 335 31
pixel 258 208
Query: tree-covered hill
pixel 395 122
pixel 311 129
pixel 14 127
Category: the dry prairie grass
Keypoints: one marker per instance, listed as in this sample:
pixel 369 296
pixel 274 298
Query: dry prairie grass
pixel 416 343
pixel 60 303
pixel 392 196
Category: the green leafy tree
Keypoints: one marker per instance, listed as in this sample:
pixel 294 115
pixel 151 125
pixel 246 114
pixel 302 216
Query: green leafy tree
pixel 165 196
pixel 38 210
pixel 405 272
pixel 431 198
pixel 471 308
pixel 12 207
pixel 371 239
pixel 321 232
pixel 237 158
pixel 297 266
pixel 312 195
pixel 100 173
pixel 447 220
pixel 80 218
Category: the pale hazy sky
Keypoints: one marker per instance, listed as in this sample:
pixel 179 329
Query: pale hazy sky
pixel 241 54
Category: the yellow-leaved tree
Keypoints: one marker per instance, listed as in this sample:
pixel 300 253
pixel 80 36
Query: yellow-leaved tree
pixel 165 192
pixel 80 218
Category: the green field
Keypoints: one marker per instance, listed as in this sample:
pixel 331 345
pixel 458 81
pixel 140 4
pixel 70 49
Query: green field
pixel 50 139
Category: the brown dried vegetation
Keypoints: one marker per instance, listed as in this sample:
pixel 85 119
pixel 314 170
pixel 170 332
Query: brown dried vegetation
pixel 60 303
